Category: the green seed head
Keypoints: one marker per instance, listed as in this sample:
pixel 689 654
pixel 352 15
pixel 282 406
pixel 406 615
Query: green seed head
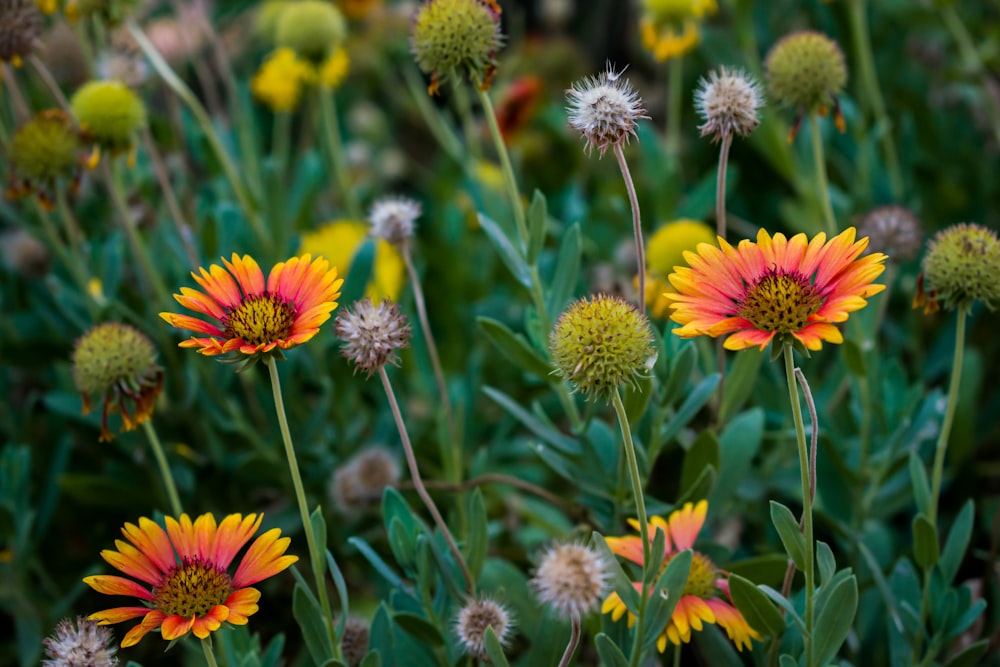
pixel 109 113
pixel 312 28
pixel 20 25
pixel 45 148
pixel 806 70
pixel 450 36
pixel 962 264
pixel 601 343
pixel 111 356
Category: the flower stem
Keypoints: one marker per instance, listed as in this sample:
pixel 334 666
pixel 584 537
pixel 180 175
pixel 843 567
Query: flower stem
pixel 807 518
pixel 315 553
pixel 640 249
pixel 161 462
pixel 574 641
pixel 973 62
pixel 49 81
pixel 206 646
pixel 675 108
pixel 418 484
pixel 640 510
pixel 949 413
pixel 720 231
pixel 822 184
pixel 170 196
pixel 335 146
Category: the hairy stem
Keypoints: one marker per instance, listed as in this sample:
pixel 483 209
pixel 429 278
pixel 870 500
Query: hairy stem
pixel 574 642
pixel 640 249
pixel 161 462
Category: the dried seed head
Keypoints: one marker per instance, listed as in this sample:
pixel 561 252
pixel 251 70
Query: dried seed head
pixel 728 102
pixel 393 218
pixel 893 230
pixel 962 265
pixel 371 334
pixel 604 108
pixel 473 620
pixel 806 70
pixel 354 642
pixel 25 254
pixel 572 579
pixel 312 28
pixel 109 113
pixel 86 645
pixel 45 148
pixel 359 483
pixel 20 26
pixel 454 37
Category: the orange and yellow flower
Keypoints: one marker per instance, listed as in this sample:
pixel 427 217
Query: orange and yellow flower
pixel 706 596
pixel 252 316
pixel 186 567
pixel 776 287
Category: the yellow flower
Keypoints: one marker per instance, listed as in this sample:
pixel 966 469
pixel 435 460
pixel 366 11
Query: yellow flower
pixel 280 80
pixel 664 250
pixel 670 28
pixel 333 70
pixel 340 240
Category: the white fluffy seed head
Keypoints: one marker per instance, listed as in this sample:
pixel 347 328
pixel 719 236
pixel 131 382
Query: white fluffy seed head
pixel 85 645
pixel 473 620
pixel 394 218
pixel 728 101
pixel 572 579
pixel 604 108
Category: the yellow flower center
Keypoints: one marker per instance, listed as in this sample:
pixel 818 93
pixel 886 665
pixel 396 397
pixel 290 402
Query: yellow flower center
pixel 701 580
pixel 780 302
pixel 260 319
pixel 192 589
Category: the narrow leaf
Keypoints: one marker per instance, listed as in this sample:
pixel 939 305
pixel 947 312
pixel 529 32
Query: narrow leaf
pixel 494 651
pixel 567 268
pixel 510 255
pixel 957 542
pixel 834 620
pixel 611 655
pixel 537 216
pixel 791 536
pixel 756 607
pixel 516 349
pixel 921 487
pixel 309 616
pixel 925 542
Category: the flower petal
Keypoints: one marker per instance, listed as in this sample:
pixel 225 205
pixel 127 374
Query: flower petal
pixel 263 559
pixel 242 604
pixel 113 585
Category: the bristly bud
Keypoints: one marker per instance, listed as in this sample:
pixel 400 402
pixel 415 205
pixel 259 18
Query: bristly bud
pixel 312 28
pixel 86 645
pixel 604 108
pixel 455 37
pixel 25 254
pixel 42 151
pixel 393 218
pixel 892 230
pixel 20 26
pixel 728 102
pixel 359 484
pixel 371 334
pixel 572 579
pixel 962 265
pixel 601 343
pixel 354 642
pixel 109 114
pixel 806 70
pixel 473 620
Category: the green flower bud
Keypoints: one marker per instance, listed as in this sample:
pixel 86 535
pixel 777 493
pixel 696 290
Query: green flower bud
pixel 109 113
pixel 45 148
pixel 456 36
pixel 600 344
pixel 312 28
pixel 806 70
pixel 962 264
pixel 20 25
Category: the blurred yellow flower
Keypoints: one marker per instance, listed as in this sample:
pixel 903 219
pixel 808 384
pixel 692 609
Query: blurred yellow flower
pixel 333 70
pixel 665 250
pixel 338 241
pixel 670 28
pixel 280 80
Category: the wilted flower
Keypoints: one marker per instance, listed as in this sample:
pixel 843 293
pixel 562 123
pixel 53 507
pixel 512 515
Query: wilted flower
pixel 354 642
pixel 728 102
pixel 474 619
pixel 604 108
pixel 372 334
pixel 25 254
pixel 20 26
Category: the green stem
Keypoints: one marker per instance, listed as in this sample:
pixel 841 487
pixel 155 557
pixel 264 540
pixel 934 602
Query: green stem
pixel 464 110
pixel 640 248
pixel 161 462
pixel 857 14
pixel 73 261
pixel 972 61
pixel 184 231
pixel 949 413
pixel 436 123
pixel 822 184
pixel 510 183
pixel 807 512
pixel 281 139
pixel 335 146
pixel 640 510
pixel 720 231
pixel 574 641
pixel 206 647
pixel 675 109
pixel 316 556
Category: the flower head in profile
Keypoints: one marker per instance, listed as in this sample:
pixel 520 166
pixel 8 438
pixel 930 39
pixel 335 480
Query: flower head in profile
pixel 281 79
pixel 185 569
pixel 42 152
pixel 572 579
pixel 341 242
pixel 961 266
pixel 671 28
pixel 665 250
pixel 728 101
pixel 249 315
pixel 372 334
pixel 86 644
pixel 475 618
pixel 393 218
pixel 455 37
pixel 791 289
pixel 806 70
pixel 116 364
pixel 604 108
pixel 705 598
pixel 894 230
pixel 109 113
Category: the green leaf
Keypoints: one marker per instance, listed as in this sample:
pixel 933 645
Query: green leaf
pixel 957 542
pixel 318 524
pixel 494 651
pixel 567 268
pixel 827 563
pixel 419 628
pixel 700 488
pixel 376 561
pixel 380 636
pixel 372 659
pixel 738 445
pixel 755 606
pixel 970 655
pixel 703 453
pixel 694 402
pixel 401 544
pixel 925 542
pixel 309 616
pixel 787 661
pixel 537 217
pixel 533 424
pixel 516 349
pixel 341 587
pixel 921 487
pixel 834 620
pixel 790 534
pixel 611 655
pixel 620 582
pixel 855 358
pixel 359 273
pixel 680 372
pixel 475 547
pixel 636 397
pixel 666 594
pixel 509 254
pixel 740 381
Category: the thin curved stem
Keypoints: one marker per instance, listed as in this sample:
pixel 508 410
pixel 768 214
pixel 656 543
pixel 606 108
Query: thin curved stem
pixel 720 231
pixel 49 81
pixel 510 183
pixel 18 105
pixel 574 642
pixel 418 484
pixel 316 556
pixel 949 413
pixel 161 462
pixel 640 248
pixel 822 183
pixel 206 647
pixel 675 108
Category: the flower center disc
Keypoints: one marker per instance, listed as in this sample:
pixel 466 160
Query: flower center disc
pixel 780 302
pixel 192 589
pixel 260 319
pixel 701 579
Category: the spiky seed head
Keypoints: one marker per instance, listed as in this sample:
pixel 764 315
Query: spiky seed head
pixel 109 113
pixel 359 483
pixel 25 254
pixel 86 644
pixel 45 148
pixel 455 37
pixel 601 343
pixel 473 620
pixel 806 70
pixel 372 334
pixel 312 28
pixel 572 579
pixel 109 355
pixel 893 230
pixel 728 101
pixel 962 265
pixel 20 26
pixel 605 109
pixel 394 218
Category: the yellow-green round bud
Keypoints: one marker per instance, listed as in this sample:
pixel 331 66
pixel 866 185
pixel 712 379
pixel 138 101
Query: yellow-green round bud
pixel 117 363
pixel 601 343
pixel 265 20
pixel 311 28
pixel 45 148
pixel 20 25
pixel 806 70
pixel 962 264
pixel 109 113
pixel 456 36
